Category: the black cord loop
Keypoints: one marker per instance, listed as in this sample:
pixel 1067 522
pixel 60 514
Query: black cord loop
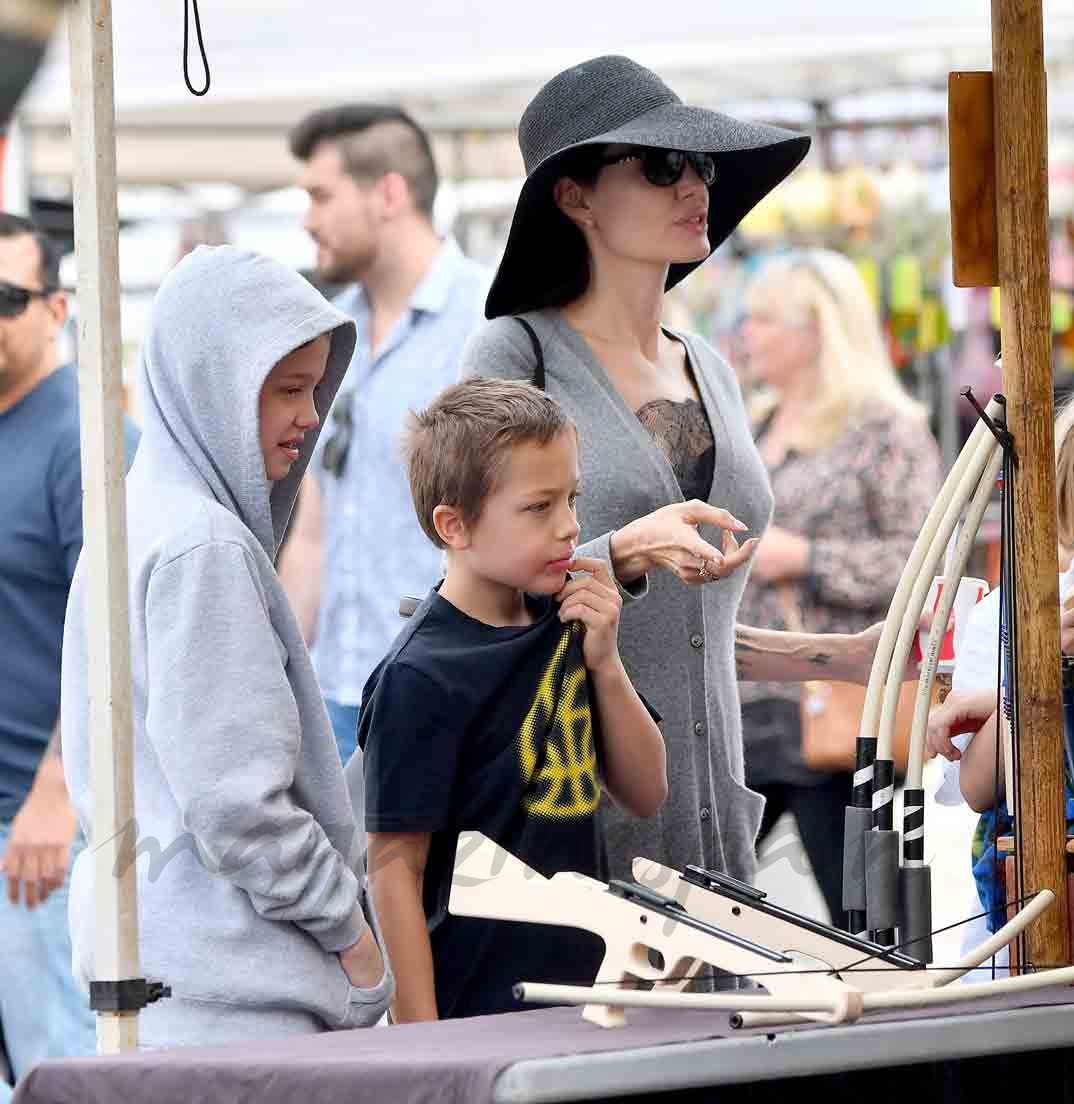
pixel 187 5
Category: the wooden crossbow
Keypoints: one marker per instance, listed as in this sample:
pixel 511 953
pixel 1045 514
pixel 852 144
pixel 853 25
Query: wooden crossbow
pixel 808 969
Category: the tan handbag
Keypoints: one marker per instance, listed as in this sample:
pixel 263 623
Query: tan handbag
pixel 830 712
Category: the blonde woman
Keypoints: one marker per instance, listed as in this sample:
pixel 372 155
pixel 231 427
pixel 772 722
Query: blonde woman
pixel 854 470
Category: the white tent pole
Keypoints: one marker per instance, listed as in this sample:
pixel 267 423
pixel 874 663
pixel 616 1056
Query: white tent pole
pixel 104 510
pixel 15 169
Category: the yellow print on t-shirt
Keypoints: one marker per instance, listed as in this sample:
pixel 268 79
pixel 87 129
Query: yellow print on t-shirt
pixel 555 743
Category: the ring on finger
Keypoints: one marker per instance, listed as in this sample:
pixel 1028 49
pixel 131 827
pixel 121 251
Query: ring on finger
pixel 703 573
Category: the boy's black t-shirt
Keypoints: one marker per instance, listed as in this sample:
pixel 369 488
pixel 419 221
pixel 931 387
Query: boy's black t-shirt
pixel 465 726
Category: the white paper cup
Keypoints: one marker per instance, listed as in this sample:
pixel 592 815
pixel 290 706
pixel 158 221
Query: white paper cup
pixel 970 592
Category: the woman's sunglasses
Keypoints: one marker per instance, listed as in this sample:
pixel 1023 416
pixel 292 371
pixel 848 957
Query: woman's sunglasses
pixel 664 167
pixel 15 299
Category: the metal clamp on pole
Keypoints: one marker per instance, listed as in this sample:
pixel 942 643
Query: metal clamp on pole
pixel 129 995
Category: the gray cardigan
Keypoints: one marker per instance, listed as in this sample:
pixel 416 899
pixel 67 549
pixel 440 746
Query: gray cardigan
pixel 677 644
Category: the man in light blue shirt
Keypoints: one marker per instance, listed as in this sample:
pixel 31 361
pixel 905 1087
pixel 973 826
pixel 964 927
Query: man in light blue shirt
pixel 356 547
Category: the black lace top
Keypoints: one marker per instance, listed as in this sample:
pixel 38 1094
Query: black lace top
pixel 682 431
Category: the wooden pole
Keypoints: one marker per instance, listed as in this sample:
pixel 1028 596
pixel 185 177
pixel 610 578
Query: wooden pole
pixel 1021 129
pixel 104 506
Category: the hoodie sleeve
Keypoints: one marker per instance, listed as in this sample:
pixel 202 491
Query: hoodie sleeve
pixel 223 721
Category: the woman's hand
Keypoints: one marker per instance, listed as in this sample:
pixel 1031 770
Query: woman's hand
pixel 856 655
pixel 781 555
pixel 593 599
pixel 668 538
pixel 963 711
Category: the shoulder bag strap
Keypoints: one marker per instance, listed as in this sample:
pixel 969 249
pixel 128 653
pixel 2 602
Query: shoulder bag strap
pixel 535 341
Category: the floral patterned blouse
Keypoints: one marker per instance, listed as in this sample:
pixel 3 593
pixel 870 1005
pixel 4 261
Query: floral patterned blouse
pixel 861 502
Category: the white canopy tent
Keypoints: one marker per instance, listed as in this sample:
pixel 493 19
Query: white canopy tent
pixel 466 70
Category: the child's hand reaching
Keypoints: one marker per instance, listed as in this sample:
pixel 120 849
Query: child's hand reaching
pixel 1066 623
pixel 963 711
pixel 594 600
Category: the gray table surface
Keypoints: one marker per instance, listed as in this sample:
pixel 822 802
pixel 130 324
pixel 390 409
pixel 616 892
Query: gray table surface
pixel 904 1039
pixel 546 1055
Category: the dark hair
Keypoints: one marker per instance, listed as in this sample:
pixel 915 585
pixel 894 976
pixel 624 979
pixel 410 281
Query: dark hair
pixel 48 267
pixel 456 447
pixel 373 139
pixel 562 238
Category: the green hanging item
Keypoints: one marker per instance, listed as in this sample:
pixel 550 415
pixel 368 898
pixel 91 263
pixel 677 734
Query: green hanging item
pixel 906 284
pixel 1062 311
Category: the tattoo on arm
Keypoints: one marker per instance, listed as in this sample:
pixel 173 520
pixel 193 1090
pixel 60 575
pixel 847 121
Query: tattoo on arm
pixel 746 652
pixel 767 654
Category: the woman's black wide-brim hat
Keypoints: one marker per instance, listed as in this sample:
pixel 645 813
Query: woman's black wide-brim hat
pixel 614 100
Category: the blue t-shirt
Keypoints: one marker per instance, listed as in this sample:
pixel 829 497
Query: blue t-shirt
pixel 466 726
pixel 40 539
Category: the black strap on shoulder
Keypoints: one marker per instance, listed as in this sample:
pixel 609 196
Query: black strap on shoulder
pixel 535 341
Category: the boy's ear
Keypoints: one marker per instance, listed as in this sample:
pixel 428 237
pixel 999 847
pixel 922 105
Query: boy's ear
pixel 451 527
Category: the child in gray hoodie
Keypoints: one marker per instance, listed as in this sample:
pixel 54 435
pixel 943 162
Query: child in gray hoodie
pixel 249 860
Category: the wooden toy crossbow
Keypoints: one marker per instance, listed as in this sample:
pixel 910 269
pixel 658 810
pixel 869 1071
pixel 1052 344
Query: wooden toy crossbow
pixel 663 940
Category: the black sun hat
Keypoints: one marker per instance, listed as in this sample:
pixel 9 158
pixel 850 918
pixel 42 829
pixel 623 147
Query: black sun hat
pixel 613 100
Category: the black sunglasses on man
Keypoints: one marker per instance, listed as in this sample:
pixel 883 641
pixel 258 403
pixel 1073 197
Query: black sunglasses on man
pixel 338 443
pixel 14 299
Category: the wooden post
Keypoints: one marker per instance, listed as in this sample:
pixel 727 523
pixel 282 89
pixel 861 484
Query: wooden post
pixel 104 507
pixel 1021 130
pixel 971 129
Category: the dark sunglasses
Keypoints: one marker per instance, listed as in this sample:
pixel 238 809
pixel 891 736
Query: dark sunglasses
pixel 664 167
pixel 338 443
pixel 15 299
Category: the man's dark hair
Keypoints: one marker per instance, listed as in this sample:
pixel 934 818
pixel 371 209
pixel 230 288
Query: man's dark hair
pixel 48 269
pixel 373 139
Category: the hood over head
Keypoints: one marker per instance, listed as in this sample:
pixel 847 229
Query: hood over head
pixel 221 321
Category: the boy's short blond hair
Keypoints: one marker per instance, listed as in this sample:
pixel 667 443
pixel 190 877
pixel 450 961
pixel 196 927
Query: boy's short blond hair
pixel 456 447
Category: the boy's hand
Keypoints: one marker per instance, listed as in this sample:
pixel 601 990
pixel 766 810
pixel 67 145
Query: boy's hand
pixel 963 711
pixel 1066 623
pixel 362 962
pixel 594 600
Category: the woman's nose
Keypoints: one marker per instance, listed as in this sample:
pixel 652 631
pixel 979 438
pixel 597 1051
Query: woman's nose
pixel 690 181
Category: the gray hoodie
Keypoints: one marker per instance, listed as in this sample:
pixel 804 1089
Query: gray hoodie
pixel 236 774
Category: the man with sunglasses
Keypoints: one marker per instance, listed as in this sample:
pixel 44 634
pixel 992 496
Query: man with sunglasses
pixel 356 547
pixel 42 1013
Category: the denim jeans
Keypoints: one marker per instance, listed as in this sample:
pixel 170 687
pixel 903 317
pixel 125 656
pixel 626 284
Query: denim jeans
pixel 344 720
pixel 43 1014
